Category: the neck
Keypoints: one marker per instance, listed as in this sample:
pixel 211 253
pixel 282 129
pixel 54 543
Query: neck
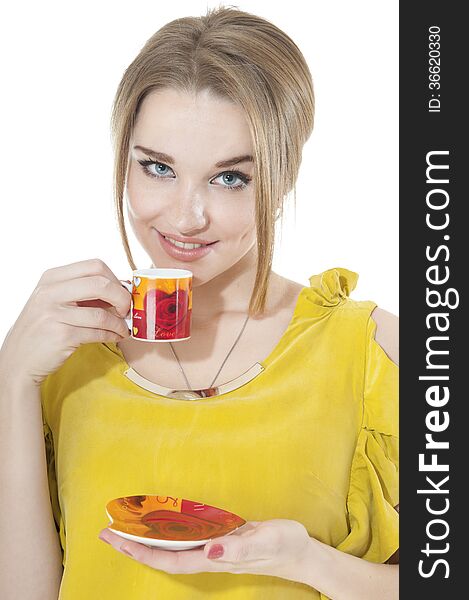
pixel 228 292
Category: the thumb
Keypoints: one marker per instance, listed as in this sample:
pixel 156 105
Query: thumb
pixel 234 549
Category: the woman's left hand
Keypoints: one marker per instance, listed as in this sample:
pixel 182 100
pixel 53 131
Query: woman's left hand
pixel 275 547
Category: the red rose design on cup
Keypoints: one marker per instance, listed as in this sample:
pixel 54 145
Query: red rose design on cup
pixel 171 313
pixel 171 309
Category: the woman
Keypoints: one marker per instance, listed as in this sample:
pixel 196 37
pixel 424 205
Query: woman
pixel 209 122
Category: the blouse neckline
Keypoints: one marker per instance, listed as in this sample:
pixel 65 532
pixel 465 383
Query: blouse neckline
pixel 229 386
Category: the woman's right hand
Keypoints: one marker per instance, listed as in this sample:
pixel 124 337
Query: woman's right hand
pixel 75 304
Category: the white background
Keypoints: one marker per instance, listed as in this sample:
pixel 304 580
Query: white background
pixel 61 64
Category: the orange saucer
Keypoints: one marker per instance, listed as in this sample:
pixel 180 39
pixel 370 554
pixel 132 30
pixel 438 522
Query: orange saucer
pixel 168 522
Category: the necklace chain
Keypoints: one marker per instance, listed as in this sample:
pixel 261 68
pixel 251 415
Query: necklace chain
pixel 222 364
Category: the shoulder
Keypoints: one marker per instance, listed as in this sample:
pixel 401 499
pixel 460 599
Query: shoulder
pixel 387 332
pixel 284 285
pixel 283 294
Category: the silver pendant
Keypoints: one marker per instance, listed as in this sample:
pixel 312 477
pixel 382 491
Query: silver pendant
pixel 193 394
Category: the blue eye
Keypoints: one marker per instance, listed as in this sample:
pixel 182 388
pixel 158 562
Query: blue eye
pixel 161 173
pixel 161 168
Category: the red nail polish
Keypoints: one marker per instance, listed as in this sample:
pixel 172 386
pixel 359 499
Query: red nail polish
pixel 216 551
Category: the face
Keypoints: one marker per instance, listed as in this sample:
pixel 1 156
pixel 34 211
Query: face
pixel 176 187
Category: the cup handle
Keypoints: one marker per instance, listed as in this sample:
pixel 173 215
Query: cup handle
pixel 128 318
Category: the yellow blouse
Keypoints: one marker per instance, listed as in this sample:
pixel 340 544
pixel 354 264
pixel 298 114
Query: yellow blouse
pixel 311 437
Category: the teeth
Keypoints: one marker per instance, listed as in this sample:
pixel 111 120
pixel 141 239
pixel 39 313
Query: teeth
pixel 183 244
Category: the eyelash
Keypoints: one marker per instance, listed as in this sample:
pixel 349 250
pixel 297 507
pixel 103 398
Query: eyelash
pixel 245 179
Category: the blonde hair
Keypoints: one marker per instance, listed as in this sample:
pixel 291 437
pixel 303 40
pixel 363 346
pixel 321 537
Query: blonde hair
pixel 248 60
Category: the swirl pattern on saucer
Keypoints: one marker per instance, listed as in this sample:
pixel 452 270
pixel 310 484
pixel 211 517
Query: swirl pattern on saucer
pixel 170 518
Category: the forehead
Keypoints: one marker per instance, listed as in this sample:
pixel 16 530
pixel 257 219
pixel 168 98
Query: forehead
pixel 177 122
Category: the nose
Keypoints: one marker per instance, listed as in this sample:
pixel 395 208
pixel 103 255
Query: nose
pixel 189 215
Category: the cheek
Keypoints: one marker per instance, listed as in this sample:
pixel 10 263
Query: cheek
pixel 139 209
pixel 141 203
pixel 238 223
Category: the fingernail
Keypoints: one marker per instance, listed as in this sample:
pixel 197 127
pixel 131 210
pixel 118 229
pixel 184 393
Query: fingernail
pixel 216 551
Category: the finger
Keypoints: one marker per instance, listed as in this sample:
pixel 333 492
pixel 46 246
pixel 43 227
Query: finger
pixel 252 541
pixel 98 304
pixel 97 318
pixel 91 288
pixel 248 527
pixel 83 268
pixel 171 561
pixel 249 545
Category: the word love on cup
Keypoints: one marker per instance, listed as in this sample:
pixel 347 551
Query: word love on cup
pixel 161 305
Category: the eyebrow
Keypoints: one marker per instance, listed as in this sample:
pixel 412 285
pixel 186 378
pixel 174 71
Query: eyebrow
pixel 161 156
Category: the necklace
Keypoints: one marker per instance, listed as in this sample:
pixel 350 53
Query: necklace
pixel 190 393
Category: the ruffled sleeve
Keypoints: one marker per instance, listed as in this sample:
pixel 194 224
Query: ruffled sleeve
pixel 332 287
pixel 373 489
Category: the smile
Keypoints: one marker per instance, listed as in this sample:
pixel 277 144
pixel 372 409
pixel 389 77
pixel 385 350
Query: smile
pixel 184 251
pixel 184 244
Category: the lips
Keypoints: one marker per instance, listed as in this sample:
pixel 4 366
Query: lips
pixel 182 254
pixel 185 239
